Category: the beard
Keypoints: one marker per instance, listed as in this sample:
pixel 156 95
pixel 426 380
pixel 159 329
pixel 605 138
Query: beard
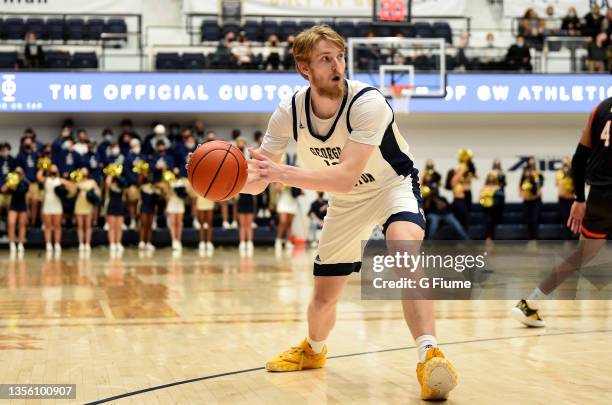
pixel 333 90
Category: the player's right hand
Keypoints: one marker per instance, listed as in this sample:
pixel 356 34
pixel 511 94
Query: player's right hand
pixel 574 222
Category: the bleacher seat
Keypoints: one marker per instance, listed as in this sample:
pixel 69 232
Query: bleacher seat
pixel 252 31
pixel 193 61
pixel 408 31
pixel 84 60
pixel 116 26
pixel 305 24
pixel 363 27
pixel 58 60
pixel 286 28
pixel 347 29
pixel 235 28
pixel 14 28
pixel 423 29
pixel 167 60
pixel 55 29
pixel 8 60
pixel 94 29
pixel 35 25
pixel 328 22
pixel 75 29
pixel 443 30
pixel 383 31
pixel 270 27
pixel 209 30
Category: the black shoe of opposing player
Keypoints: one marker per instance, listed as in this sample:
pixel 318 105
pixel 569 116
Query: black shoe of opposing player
pixel 526 315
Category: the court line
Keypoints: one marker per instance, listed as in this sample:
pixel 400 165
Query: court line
pixel 248 370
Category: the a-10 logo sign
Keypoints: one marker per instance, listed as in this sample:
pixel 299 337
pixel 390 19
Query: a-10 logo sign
pixel 551 165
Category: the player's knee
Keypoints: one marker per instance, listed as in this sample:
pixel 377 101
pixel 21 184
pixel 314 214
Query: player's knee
pixel 322 301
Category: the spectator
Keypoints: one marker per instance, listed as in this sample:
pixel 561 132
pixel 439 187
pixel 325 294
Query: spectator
pixel 490 40
pixel 597 59
pixel 103 151
pixel 462 61
pixel 151 141
pixel 565 192
pixel 161 160
pixel 272 54
pixel 519 56
pixel 437 209
pixel 38 146
pixel 235 134
pixel 68 160
pixel 593 22
pixel 34 56
pixel 318 210
pixel 607 24
pixel 430 178
pixel 571 23
pixel 127 127
pixel 368 56
pixel 210 136
pixel 551 23
pixel 288 61
pixel 198 131
pixel 531 28
pixel 82 144
pixel 242 51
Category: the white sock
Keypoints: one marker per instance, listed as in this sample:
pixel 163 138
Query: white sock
pixel 533 300
pixel 424 343
pixel 317 346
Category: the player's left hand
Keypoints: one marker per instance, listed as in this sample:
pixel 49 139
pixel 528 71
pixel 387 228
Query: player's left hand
pixel 264 168
pixel 574 222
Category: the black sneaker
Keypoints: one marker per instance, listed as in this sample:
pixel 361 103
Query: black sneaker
pixel 527 316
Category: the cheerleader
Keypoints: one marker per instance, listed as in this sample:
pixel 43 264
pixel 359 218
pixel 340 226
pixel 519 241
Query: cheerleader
pixel 487 201
pixel 52 212
pixel 530 189
pixel 205 218
pixel 149 196
pixel 176 206
pixel 245 208
pixel 565 190
pixel 286 208
pixel 88 196
pixel 115 211
pixel 18 187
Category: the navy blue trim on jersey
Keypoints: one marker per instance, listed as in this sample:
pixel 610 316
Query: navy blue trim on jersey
pixel 324 138
pixel 336 269
pixel 415 218
pixel 359 94
pixel 294 115
pixel 398 160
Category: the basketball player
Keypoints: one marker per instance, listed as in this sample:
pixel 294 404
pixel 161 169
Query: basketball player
pixel 349 145
pixel 592 162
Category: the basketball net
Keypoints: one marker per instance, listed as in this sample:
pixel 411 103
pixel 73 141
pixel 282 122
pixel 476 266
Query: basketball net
pixel 400 97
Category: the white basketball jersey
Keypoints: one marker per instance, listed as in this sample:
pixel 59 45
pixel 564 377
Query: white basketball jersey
pixel 389 164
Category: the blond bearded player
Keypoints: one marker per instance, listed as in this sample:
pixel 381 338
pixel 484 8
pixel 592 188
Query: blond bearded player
pixel 348 145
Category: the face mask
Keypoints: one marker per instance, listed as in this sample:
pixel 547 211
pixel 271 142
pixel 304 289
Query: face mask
pixel 66 145
pixel 491 43
pixel 65 133
pixel 136 150
pixel 108 138
pixel 520 44
pixel 429 167
pixel 53 173
pixel 4 154
pixel 190 145
pixel 160 151
pixel 497 166
pixel 27 147
pixel 115 151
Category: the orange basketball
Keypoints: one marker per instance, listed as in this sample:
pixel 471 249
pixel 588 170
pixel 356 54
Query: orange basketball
pixel 217 170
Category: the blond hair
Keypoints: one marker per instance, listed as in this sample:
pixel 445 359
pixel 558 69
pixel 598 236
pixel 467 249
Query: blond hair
pixel 307 39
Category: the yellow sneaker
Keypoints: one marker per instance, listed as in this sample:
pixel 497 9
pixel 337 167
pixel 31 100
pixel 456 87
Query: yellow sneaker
pixel 298 358
pixel 437 375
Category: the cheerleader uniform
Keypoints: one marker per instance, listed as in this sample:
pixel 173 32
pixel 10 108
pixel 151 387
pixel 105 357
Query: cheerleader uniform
pixel 115 200
pixel 148 199
pixel 246 204
pixel 176 204
pixel 82 205
pixel 287 203
pixel 202 204
pixel 18 197
pixel 52 204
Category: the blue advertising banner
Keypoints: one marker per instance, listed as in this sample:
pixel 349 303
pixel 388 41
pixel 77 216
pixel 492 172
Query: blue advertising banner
pixel 261 92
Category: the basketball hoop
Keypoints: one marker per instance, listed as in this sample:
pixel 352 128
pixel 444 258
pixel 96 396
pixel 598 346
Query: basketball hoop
pixel 400 95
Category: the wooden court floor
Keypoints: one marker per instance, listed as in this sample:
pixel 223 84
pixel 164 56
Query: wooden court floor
pixel 167 329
